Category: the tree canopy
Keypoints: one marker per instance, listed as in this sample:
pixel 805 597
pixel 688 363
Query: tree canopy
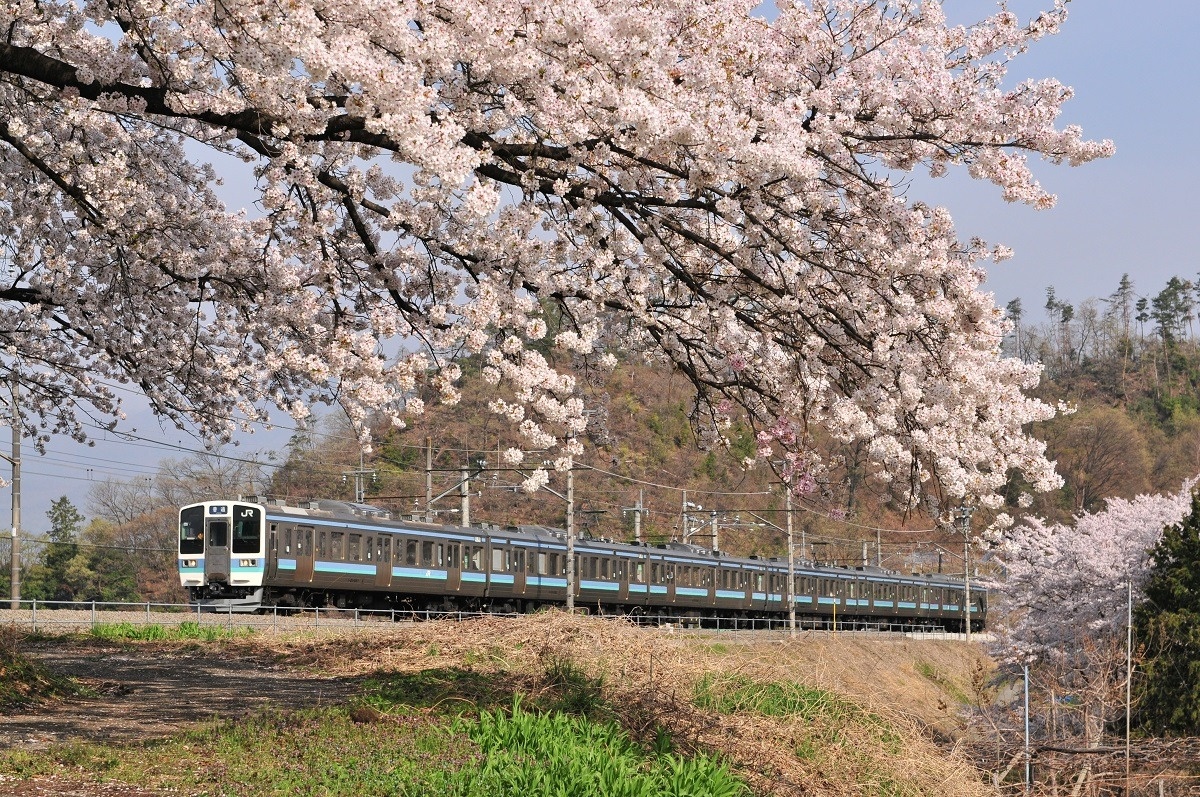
pixel 511 179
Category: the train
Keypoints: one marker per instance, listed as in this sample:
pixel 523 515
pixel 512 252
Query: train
pixel 262 554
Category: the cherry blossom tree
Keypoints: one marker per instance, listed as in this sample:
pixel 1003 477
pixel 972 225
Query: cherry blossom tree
pixel 684 179
pixel 1067 581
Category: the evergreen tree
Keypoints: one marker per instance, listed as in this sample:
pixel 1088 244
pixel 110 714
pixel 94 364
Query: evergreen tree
pixel 49 579
pixel 1167 624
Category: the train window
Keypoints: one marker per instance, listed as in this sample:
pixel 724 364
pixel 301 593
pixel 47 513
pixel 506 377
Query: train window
pixel 541 564
pixel 337 545
pixel 622 570
pixel 426 553
pixel 287 540
pixel 383 549
pixel 532 562
pixel 442 558
pixel 322 544
pixel 369 548
pixel 500 560
pixel 247 529
pixel 518 560
pixel 706 574
pixel 191 530
pixel 639 573
pixel 354 549
pixel 656 572
pixel 606 568
pixel 410 552
pixel 476 558
pixel 218 533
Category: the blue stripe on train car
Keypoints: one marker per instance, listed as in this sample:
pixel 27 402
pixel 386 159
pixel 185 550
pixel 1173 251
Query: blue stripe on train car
pixel 601 585
pixel 475 578
pixel 410 572
pixel 345 568
pixel 730 594
pixel 287 564
pixel 886 604
pixel 694 592
pixel 547 581
pixel 826 601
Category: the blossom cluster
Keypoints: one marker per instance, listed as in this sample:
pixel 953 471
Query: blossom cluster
pixel 505 178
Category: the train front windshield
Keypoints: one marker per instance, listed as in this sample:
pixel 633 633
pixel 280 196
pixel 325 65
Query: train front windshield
pixel 191 530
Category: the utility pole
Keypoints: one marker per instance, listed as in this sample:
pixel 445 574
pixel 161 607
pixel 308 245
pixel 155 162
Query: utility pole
pixel 15 461
pixel 964 517
pixel 712 519
pixel 570 535
pixel 637 515
pixel 464 494
pixel 428 479
pixel 791 585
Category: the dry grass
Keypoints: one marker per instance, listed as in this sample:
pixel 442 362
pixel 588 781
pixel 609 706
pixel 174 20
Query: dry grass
pixel 902 694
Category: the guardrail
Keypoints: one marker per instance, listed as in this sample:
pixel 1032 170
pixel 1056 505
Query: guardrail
pixel 70 616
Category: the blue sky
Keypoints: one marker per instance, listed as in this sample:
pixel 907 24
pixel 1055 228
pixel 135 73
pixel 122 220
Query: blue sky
pixel 1133 67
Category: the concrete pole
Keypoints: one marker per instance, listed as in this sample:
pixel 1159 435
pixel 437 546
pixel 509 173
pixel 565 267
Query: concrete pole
pixel 791 578
pixel 965 518
pixel 637 517
pixel 713 523
pixel 428 479
pixel 464 493
pixel 15 574
pixel 570 536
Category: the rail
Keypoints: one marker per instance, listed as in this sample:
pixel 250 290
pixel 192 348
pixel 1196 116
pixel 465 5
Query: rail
pixel 71 616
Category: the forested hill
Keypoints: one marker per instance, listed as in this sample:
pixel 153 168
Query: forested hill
pixel 1130 363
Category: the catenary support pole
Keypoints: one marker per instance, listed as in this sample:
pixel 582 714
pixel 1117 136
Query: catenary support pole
pixel 791 577
pixel 570 536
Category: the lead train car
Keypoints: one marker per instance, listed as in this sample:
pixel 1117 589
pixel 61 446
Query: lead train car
pixel 242 556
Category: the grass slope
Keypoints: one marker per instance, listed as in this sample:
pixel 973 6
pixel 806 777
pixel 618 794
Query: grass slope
pixel 554 704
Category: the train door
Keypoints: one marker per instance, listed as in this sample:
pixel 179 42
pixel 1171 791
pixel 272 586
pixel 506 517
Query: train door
pixel 453 564
pixel 304 553
pixel 383 561
pixel 272 553
pixel 669 578
pixel 519 556
pixel 216 549
pixel 709 577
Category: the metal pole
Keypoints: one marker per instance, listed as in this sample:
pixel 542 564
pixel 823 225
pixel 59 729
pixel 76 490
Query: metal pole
pixel 1028 760
pixel 713 523
pixel 570 535
pixel 15 574
pixel 1128 675
pixel 791 578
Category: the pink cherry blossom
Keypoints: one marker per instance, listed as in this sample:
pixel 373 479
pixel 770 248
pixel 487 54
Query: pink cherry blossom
pixel 682 179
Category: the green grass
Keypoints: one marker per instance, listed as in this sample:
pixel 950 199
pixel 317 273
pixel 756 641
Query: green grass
pixel 187 630
pixel 833 720
pixel 439 732
pixel 24 681
pixel 929 672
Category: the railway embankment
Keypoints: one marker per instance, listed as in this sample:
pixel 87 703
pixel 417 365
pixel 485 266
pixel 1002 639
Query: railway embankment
pixel 819 713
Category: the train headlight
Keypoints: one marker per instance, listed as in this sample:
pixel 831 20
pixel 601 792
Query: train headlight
pixel 189 562
pixel 247 562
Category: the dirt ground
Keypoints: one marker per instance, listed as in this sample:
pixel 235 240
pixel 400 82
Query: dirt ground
pixel 145 693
